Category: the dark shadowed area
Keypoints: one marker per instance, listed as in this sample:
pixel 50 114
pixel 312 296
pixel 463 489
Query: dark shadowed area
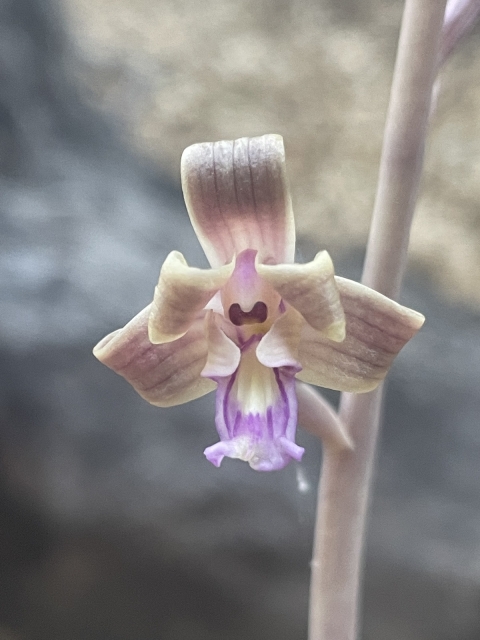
pixel 112 524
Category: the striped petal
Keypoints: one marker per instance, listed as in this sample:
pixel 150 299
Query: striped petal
pixel 182 292
pixel 311 289
pixel 237 198
pixel 164 375
pixel 376 329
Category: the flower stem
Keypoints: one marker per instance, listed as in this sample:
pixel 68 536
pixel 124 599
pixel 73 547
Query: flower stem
pixel 346 476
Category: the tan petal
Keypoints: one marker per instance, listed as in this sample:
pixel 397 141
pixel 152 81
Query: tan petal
pixel 237 197
pixel 377 328
pixel 312 290
pixel 182 292
pixel 223 354
pixel 279 347
pixel 166 374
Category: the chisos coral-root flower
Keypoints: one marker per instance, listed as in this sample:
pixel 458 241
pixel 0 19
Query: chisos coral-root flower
pixel 255 322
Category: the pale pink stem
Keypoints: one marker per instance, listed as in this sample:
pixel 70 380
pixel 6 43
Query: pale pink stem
pixel 345 478
pixel 342 505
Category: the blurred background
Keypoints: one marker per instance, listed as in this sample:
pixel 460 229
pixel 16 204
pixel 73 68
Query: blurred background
pixel 112 524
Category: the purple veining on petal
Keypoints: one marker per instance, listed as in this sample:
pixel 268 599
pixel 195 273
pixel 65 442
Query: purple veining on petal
pixel 266 441
pixel 225 403
pixel 236 423
pixel 237 198
pixel 270 422
pixel 282 391
pixel 285 377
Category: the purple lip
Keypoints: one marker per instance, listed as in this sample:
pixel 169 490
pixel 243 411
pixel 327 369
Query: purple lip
pixel 266 442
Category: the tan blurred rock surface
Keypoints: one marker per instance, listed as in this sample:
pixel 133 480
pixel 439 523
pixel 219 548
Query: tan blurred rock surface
pixel 182 71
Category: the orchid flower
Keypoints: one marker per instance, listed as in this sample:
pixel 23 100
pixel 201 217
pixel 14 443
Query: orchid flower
pixel 255 323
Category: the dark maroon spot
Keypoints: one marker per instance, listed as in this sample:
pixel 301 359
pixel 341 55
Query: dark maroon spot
pixel 257 314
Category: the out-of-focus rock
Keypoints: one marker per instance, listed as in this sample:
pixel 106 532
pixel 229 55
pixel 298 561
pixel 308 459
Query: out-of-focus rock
pixel 319 73
pixel 68 193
